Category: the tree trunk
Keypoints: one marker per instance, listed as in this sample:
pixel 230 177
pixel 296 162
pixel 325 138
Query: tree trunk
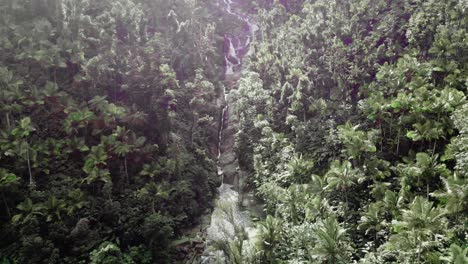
pixel 419 248
pixel 434 148
pixel 31 179
pixel 192 128
pixel 375 241
pixel 435 140
pixel 126 170
pixel 346 200
pixel 7 115
pixel 382 133
pixel 427 190
pixel 6 205
pixel 398 143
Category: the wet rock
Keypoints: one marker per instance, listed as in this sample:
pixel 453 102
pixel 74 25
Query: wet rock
pixel 230 173
pixel 228 144
pixel 227 158
pixel 81 228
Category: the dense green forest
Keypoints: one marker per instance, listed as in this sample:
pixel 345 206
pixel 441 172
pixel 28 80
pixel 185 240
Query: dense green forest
pixel 107 110
pixel 349 121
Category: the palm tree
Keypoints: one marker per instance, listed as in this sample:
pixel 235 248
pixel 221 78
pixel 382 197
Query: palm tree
pixel 78 120
pixel 55 207
pixel 419 224
pixel 299 169
pixel 295 198
pixel 270 236
pixel 28 212
pixel 317 185
pixel 342 176
pixel 7 180
pixel 19 145
pixel 155 192
pixel 10 94
pixel 455 196
pixel 123 143
pixel 457 255
pixel 76 200
pixel 372 221
pixel 357 142
pixel 391 203
pixel 95 165
pixel 425 168
pixel 233 249
pixel 331 242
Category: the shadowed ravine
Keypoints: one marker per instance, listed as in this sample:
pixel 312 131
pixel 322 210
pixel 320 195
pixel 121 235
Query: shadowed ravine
pixel 234 209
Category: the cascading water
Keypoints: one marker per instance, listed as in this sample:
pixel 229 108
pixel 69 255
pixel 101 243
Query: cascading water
pixel 228 216
pixel 220 135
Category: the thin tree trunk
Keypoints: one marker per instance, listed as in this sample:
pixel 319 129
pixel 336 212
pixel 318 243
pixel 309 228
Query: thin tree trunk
pixel 6 205
pixel 304 114
pixel 8 120
pixel 434 148
pixel 375 241
pixel 346 200
pixel 382 133
pixel 390 128
pixel 192 127
pixel 31 179
pixel 419 248
pixel 435 140
pixel 398 143
pixel 427 190
pixel 126 169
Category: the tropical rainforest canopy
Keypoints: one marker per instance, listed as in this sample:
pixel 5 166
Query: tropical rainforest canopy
pixel 124 123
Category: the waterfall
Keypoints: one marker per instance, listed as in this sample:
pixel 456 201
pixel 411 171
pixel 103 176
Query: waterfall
pixel 228 214
pixel 230 56
pixel 220 132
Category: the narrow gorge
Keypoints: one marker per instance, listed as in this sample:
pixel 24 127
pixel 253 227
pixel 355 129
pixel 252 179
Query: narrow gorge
pixel 235 206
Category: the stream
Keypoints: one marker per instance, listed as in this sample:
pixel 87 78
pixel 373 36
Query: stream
pixel 234 208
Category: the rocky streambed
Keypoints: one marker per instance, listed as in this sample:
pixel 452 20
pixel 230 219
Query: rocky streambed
pixel 235 208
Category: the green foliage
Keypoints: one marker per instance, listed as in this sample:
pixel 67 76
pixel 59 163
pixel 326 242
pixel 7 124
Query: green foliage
pixel 76 200
pixel 454 197
pixel 92 94
pixel 417 230
pixel 155 193
pixel 158 230
pixel 457 255
pixel 270 232
pixel 106 253
pixel 372 221
pixel 29 212
pixel 341 177
pixel 77 119
pixel 7 179
pixel 95 165
pixel 425 169
pixel 359 104
pixel 356 142
pixel 55 207
pixel 300 169
pixel 331 243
